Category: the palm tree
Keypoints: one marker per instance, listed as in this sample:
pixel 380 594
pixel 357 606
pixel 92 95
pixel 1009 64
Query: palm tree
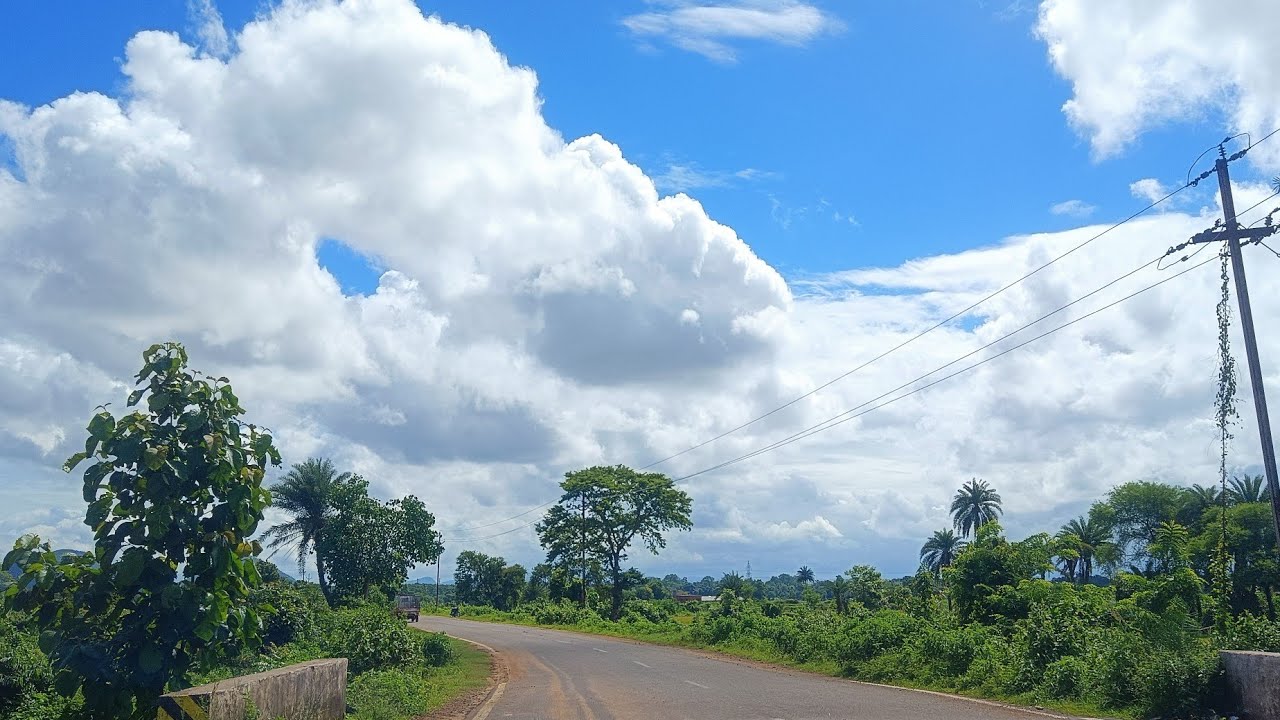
pixel 974 505
pixel 840 593
pixel 1249 489
pixel 804 575
pixel 305 493
pixel 1090 537
pixel 941 550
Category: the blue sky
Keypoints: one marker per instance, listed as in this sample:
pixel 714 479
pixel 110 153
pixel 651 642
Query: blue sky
pixel 935 127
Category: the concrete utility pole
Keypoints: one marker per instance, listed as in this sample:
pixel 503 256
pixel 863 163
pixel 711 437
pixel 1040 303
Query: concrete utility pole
pixel 437 581
pixel 584 550
pixel 1232 233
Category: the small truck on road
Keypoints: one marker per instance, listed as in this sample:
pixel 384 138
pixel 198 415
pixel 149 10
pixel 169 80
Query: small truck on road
pixel 408 606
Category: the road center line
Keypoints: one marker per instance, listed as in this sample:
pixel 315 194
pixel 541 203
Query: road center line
pixel 599 650
pixel 640 663
pixel 564 642
pixel 704 687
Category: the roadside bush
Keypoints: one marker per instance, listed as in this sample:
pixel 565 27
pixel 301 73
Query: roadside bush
pixel 436 650
pixel 291 615
pixel 948 652
pixel 1252 632
pixel 387 695
pixel 23 668
pixel 1177 683
pixel 370 638
pixel 561 613
pixel 1063 679
pixel 884 632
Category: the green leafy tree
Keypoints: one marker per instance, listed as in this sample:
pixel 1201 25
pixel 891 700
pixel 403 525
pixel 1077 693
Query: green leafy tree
pixel 940 551
pixel 1169 546
pixel 604 510
pixel 307 494
pixel 804 575
pixel 368 545
pixel 1136 509
pixel 175 483
pixel 975 504
pixel 511 587
pixel 867 587
pixel 478 578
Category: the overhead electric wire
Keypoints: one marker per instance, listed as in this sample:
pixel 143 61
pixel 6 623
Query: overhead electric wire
pixel 840 419
pixel 917 336
pixel 960 313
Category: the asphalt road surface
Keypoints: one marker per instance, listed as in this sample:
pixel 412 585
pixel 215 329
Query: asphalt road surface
pixel 556 675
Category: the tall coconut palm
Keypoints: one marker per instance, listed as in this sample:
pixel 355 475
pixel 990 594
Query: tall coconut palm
pixel 1247 489
pixel 1089 537
pixel 941 550
pixel 305 493
pixel 975 504
pixel 804 575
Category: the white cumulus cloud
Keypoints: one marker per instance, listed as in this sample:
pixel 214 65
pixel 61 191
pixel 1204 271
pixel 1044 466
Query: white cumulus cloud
pixel 1135 64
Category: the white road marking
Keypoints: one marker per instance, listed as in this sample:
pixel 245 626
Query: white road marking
pixel 599 650
pixel 704 687
pixel 564 642
pixel 640 663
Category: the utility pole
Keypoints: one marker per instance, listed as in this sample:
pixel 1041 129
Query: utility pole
pixel 1232 233
pixel 437 581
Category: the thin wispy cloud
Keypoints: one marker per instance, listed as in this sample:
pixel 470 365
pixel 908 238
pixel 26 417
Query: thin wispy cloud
pixel 209 29
pixel 712 29
pixel 686 177
pixel 1073 208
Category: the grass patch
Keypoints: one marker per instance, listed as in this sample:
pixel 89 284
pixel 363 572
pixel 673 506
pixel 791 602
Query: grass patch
pixel 400 693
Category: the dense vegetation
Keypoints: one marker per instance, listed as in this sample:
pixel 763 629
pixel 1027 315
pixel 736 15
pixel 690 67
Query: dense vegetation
pixel 1121 611
pixel 395 672
pixel 174 593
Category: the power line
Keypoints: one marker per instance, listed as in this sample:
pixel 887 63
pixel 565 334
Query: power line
pixel 513 517
pixel 916 337
pixel 841 418
pixel 960 313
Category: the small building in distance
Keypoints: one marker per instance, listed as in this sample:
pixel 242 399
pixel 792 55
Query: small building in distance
pixel 682 597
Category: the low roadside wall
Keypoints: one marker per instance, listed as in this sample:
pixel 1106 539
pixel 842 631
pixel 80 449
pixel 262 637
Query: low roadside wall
pixel 1255 681
pixel 315 690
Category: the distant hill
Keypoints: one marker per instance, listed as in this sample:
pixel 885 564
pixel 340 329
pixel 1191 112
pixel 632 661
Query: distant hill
pixel 15 572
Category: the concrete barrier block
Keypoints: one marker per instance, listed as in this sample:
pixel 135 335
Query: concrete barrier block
pixel 1255 681
pixel 315 690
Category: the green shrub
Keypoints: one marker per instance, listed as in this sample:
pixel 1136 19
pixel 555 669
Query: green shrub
pixel 370 638
pixel 1252 632
pixel 1177 684
pixel 884 632
pixel 949 652
pixel 436 650
pixel 387 695
pixel 1063 679
pixel 288 613
pixel 23 668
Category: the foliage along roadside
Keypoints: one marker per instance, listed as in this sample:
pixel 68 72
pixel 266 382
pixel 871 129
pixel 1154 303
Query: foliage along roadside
pixel 1127 651
pixel 396 672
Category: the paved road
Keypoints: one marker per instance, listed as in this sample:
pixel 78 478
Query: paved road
pixel 555 675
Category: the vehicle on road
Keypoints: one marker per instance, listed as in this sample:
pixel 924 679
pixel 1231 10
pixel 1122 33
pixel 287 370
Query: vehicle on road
pixel 408 606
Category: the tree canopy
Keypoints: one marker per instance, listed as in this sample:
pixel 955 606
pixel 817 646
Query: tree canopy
pixel 604 510
pixel 175 483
